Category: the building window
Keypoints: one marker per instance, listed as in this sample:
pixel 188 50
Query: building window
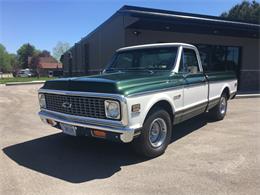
pixel 204 56
pixel 232 58
pixel 219 58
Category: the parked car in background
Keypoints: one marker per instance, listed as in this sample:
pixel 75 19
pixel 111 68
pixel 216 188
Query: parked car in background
pixel 139 97
pixel 25 73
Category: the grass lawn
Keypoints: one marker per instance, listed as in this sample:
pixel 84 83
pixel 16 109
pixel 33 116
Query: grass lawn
pixel 19 79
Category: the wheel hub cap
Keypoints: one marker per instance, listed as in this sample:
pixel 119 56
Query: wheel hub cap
pixel 223 105
pixel 157 132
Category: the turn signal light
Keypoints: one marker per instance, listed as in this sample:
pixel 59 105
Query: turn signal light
pixel 51 122
pixel 136 107
pixel 98 133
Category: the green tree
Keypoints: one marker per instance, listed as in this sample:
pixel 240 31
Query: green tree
pixel 5 60
pixel 24 52
pixel 60 49
pixel 44 53
pixel 35 58
pixel 248 11
pixel 13 61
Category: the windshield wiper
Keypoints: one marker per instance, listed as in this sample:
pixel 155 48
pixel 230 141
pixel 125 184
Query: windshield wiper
pixel 128 69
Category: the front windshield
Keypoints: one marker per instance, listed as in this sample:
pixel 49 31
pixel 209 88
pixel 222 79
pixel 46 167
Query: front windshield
pixel 145 59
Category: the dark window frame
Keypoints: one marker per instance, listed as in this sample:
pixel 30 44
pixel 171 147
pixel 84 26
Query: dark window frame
pixel 210 49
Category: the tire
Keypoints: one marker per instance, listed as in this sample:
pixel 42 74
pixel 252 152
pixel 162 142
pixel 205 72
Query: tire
pixel 155 135
pixel 219 111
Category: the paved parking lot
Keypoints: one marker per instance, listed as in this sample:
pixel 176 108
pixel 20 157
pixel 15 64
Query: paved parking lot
pixel 204 157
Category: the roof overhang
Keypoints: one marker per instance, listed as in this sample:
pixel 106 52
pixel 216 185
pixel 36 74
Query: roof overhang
pixel 161 20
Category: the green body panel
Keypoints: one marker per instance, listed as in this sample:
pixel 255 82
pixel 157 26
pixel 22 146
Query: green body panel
pixel 220 76
pixel 195 78
pixel 133 82
pixel 124 83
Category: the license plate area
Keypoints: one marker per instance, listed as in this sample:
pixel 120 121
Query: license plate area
pixel 68 129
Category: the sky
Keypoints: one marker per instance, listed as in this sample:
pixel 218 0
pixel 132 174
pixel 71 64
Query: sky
pixel 43 23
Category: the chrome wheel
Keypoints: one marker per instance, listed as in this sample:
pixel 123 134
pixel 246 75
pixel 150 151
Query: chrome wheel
pixel 223 105
pixel 157 132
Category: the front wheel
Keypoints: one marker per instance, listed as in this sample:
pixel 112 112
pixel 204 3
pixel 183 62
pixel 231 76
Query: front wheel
pixel 156 134
pixel 220 110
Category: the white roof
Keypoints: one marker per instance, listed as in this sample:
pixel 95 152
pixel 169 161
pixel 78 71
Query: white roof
pixel 157 45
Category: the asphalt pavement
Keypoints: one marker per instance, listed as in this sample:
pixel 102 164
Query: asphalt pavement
pixel 205 157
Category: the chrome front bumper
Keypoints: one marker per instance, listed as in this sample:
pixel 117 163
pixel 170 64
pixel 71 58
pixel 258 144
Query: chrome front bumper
pixel 126 134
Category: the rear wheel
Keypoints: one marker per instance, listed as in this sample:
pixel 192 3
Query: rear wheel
pixel 156 134
pixel 219 111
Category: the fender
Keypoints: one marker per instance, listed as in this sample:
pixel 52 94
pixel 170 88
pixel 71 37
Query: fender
pixel 226 85
pixel 157 98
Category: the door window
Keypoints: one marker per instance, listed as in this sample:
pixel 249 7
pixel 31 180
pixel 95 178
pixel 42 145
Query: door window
pixel 189 62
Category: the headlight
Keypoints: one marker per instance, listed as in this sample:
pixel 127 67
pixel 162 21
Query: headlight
pixel 112 109
pixel 42 101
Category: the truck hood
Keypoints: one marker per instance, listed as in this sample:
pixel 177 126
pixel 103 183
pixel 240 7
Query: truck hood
pixel 124 83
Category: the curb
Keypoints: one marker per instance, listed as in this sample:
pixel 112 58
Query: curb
pixel 24 83
pixel 240 96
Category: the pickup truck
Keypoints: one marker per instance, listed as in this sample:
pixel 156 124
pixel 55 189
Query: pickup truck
pixel 144 91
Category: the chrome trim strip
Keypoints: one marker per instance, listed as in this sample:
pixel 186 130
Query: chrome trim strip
pixel 190 106
pixel 195 84
pixel 83 123
pixel 156 91
pixel 176 88
pixel 219 81
pixel 86 94
pixel 93 121
pixel 214 98
pixel 124 113
pixel 196 105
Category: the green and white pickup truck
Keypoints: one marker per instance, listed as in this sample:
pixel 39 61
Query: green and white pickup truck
pixel 143 92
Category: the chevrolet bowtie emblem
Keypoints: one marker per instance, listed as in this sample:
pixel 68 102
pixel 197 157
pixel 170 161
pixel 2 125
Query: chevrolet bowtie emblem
pixel 66 105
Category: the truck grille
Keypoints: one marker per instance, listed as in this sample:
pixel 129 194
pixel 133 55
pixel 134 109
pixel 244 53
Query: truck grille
pixel 76 105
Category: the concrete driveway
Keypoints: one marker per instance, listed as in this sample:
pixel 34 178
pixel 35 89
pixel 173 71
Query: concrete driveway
pixel 204 157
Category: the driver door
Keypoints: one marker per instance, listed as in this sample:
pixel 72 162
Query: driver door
pixel 195 90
